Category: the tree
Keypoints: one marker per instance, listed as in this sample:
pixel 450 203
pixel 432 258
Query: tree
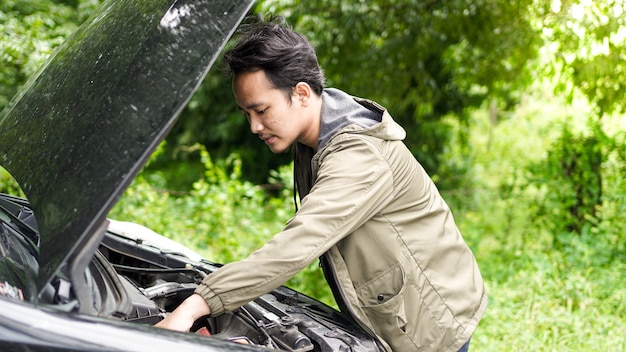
pixel 586 55
pixel 424 60
pixel 588 50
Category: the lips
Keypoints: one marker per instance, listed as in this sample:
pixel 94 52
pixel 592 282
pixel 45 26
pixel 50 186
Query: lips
pixel 268 139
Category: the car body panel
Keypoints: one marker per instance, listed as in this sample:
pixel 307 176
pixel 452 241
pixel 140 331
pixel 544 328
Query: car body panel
pixel 103 102
pixel 44 329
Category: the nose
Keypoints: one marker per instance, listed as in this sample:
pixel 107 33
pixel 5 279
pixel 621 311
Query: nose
pixel 255 125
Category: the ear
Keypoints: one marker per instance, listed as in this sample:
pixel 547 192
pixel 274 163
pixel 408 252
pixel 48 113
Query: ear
pixel 302 92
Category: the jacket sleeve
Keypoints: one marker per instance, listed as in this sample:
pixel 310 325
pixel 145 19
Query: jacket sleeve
pixel 354 182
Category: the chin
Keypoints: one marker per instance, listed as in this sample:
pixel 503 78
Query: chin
pixel 279 149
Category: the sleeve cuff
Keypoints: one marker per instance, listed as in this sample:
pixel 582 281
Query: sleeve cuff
pixel 213 301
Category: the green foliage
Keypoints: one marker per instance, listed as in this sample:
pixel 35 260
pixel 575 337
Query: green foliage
pixel 213 119
pixel 587 50
pixel 543 297
pixel 223 217
pixel 31 30
pixel 572 179
pixel 537 189
pixel 424 61
pixel 546 306
pixel 579 181
pixel 219 207
pixel 8 184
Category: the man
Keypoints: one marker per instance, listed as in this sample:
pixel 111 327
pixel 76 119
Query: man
pixel 387 241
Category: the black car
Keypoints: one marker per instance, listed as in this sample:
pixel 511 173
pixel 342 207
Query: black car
pixel 74 138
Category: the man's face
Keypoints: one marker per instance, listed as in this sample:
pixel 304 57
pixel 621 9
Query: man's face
pixel 274 117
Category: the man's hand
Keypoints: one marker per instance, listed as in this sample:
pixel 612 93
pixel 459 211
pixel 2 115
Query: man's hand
pixel 183 317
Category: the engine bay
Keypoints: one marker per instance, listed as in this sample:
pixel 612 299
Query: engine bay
pixel 156 282
pixel 132 277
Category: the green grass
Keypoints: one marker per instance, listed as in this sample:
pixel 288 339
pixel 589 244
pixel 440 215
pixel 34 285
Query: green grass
pixel 545 306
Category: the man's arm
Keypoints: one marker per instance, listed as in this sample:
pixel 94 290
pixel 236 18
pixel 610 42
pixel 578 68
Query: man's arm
pixel 185 314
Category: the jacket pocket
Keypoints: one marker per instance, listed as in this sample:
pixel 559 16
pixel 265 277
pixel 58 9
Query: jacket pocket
pixel 396 309
pixel 382 300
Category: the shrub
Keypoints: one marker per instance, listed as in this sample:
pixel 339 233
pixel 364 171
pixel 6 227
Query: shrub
pixel 222 217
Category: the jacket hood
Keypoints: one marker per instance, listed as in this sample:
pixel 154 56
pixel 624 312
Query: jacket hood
pixel 342 112
pixel 83 127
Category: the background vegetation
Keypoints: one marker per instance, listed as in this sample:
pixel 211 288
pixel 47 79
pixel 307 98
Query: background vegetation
pixel 515 108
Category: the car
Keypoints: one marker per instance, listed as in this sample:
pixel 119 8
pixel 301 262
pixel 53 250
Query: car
pixel 74 138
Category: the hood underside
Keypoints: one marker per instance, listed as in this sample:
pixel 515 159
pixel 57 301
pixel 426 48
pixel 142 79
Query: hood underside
pixel 81 129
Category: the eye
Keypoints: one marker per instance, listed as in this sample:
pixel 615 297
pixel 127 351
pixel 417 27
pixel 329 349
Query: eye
pixel 261 112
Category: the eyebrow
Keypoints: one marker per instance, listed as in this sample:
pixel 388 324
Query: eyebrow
pixel 249 106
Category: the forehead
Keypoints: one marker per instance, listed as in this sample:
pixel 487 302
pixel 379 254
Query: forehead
pixel 253 88
pixel 252 80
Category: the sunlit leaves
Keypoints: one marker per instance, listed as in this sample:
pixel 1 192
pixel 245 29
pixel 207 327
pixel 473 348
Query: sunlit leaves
pixel 589 50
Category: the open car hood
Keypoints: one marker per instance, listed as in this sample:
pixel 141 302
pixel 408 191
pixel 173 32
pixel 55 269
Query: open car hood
pixel 82 128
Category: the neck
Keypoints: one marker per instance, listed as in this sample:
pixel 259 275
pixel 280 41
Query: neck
pixel 313 118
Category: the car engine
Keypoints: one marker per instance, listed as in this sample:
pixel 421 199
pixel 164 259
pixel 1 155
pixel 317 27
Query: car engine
pixel 156 282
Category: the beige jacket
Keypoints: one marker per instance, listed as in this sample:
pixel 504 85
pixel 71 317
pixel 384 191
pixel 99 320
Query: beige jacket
pixel 391 250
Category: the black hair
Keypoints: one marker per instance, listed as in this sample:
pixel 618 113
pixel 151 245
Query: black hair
pixel 271 45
